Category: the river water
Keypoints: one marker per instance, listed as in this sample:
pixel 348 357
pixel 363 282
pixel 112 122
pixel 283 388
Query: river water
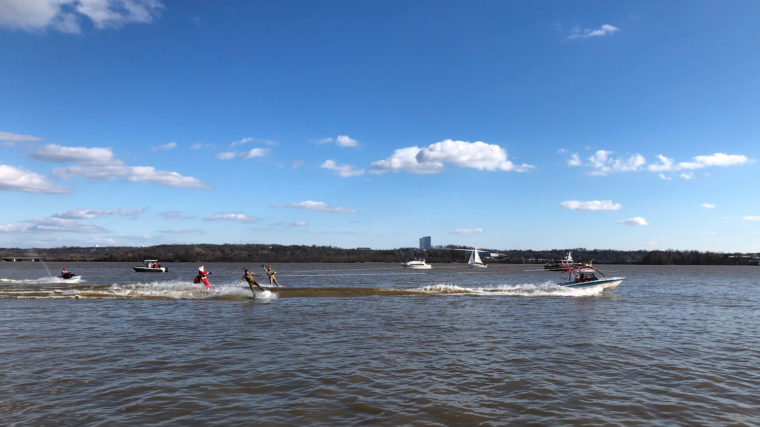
pixel 374 343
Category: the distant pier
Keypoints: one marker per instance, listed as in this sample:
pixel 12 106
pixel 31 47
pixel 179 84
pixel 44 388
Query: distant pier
pixel 22 258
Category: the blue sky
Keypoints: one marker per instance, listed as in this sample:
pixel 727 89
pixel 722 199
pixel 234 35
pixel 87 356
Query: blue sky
pixel 507 125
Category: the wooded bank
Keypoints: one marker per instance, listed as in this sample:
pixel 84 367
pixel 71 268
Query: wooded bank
pixel 299 253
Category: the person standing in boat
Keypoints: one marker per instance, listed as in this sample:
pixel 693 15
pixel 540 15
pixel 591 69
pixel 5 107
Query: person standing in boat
pixel 248 277
pixel 270 274
pixel 201 277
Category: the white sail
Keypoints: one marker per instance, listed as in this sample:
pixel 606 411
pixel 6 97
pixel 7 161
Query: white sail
pixel 475 260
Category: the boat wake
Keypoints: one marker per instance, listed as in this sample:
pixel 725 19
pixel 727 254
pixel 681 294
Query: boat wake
pixel 170 290
pixel 45 280
pixel 524 290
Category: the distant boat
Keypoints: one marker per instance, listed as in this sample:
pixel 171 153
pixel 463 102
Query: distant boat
pixel 584 277
pixel 565 264
pixel 475 260
pixel 417 264
pixel 150 266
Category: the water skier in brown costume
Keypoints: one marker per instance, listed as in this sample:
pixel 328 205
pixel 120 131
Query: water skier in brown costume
pixel 271 274
pixel 248 277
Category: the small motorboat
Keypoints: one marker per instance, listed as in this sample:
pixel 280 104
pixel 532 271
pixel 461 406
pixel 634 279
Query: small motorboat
pixel 417 264
pixel 150 266
pixel 565 264
pixel 584 277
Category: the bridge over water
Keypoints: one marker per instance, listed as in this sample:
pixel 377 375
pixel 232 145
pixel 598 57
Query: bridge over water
pixel 22 258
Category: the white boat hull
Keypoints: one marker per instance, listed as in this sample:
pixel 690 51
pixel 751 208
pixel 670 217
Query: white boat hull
pixel 601 285
pixel 150 269
pixel 417 265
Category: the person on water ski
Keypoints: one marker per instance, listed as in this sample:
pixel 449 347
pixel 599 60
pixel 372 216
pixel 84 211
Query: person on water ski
pixel 201 277
pixel 248 277
pixel 270 274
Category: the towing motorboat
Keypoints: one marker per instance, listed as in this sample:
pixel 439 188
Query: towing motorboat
pixel 150 266
pixel 584 277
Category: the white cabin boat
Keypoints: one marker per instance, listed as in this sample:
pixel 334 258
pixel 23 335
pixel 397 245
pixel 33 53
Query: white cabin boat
pixel 475 260
pixel 417 264
pixel 150 266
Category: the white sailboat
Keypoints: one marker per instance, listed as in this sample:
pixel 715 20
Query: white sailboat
pixel 475 260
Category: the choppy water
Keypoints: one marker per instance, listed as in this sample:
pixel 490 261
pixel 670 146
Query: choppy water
pixel 373 343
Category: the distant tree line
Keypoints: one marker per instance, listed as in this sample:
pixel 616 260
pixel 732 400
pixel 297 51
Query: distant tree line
pixel 330 254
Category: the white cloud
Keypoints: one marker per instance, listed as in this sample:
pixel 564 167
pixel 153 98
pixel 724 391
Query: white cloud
pixel 593 205
pixel 15 179
pixel 117 169
pixel 52 225
pixel 604 30
pixel 666 164
pixel 340 140
pixel 241 142
pixel 66 15
pixel 405 159
pixel 603 164
pixel 254 152
pixel 699 162
pixel 149 174
pixel 175 215
pixel 751 218
pixel 231 216
pixel 299 224
pixel 345 171
pixel 574 160
pixel 61 154
pixel 311 205
pixel 98 163
pixel 467 231
pixel 165 147
pixel 227 155
pixel 717 159
pixel 15 137
pixel 433 158
pixel 708 205
pixel 346 141
pixel 94 213
pixel 637 220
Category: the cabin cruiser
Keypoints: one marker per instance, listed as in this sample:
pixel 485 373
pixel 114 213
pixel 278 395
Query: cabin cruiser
pixel 584 277
pixel 150 266
pixel 417 264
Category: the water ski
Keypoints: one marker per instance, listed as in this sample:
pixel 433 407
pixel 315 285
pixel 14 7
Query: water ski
pixel 265 295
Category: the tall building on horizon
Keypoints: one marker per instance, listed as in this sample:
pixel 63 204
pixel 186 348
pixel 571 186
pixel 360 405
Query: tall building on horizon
pixel 425 242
